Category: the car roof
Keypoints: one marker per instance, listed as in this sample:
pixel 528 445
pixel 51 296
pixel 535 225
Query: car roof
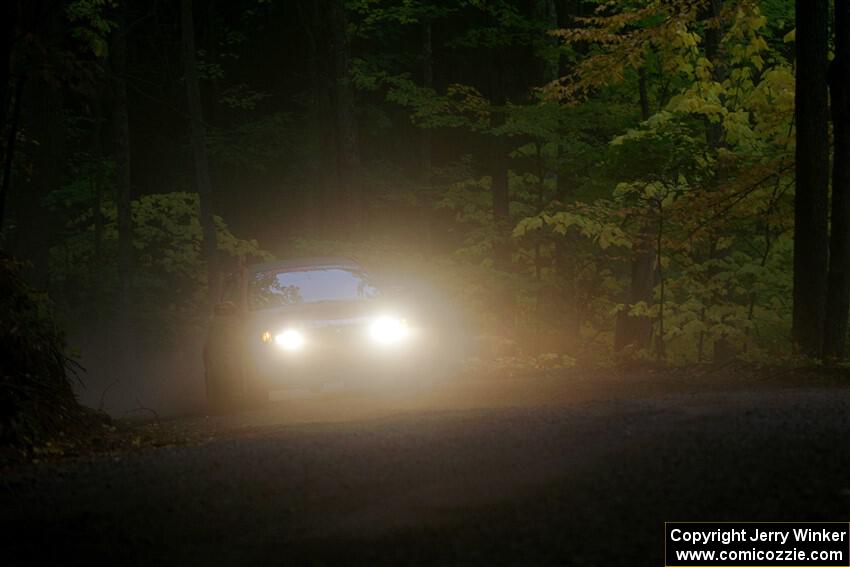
pixel 301 263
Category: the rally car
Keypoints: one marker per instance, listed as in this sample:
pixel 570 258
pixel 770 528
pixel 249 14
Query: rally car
pixel 304 323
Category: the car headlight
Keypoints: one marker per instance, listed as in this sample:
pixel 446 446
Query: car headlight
pixel 389 330
pixel 289 339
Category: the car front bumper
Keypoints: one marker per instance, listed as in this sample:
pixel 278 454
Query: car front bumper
pixel 350 361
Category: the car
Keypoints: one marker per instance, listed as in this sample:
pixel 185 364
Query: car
pixel 307 322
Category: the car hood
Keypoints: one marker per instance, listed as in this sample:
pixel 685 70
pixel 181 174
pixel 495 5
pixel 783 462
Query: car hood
pixel 329 313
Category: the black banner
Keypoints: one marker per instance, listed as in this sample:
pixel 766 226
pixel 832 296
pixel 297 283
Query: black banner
pixel 757 544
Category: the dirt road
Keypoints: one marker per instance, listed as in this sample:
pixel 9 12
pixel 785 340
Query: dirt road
pixel 520 472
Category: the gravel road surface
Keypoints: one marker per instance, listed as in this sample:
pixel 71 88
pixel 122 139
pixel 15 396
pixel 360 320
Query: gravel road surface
pixel 518 472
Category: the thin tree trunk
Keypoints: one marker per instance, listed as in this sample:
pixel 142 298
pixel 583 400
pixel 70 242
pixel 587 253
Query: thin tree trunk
pixel 97 186
pixel 8 23
pixel 43 117
pixel 713 38
pixel 630 330
pixel 9 149
pixel 565 13
pixel 425 154
pixel 428 83
pixel 838 281
pixel 812 176
pixel 123 196
pixel 99 182
pixel 499 170
pixel 503 296
pixel 660 339
pixel 319 200
pixel 723 349
pixel 347 145
pixel 203 184
pixel 643 94
pixel 501 202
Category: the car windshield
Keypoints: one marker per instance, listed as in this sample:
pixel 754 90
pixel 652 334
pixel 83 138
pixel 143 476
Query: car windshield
pixel 280 288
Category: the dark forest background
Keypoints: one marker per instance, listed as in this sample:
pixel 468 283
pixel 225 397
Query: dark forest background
pixel 588 181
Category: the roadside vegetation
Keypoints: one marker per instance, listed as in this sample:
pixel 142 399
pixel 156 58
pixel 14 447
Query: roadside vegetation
pixel 37 403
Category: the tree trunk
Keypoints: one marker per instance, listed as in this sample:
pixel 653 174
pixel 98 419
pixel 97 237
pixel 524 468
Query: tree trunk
pixel 812 177
pixel 350 198
pixel 203 184
pixel 565 13
pixel 660 337
pixel 501 203
pixel 643 94
pixel 723 349
pixel 44 119
pixel 8 22
pixel 630 330
pixel 713 38
pixel 425 157
pixel 546 12
pixel 499 169
pixel 636 331
pixel 319 199
pixel 97 185
pixel 9 149
pixel 838 281
pixel 428 83
pixel 123 194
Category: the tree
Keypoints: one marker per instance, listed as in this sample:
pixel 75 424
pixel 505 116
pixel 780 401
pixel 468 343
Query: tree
pixel 710 148
pixel 120 122
pixel 349 204
pixel 9 147
pixel 499 166
pixel 426 139
pixel 426 55
pixel 319 119
pixel 838 278
pixel 10 100
pixel 203 184
pixel 636 330
pixel 812 177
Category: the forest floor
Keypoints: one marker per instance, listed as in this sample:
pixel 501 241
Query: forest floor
pixel 567 468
